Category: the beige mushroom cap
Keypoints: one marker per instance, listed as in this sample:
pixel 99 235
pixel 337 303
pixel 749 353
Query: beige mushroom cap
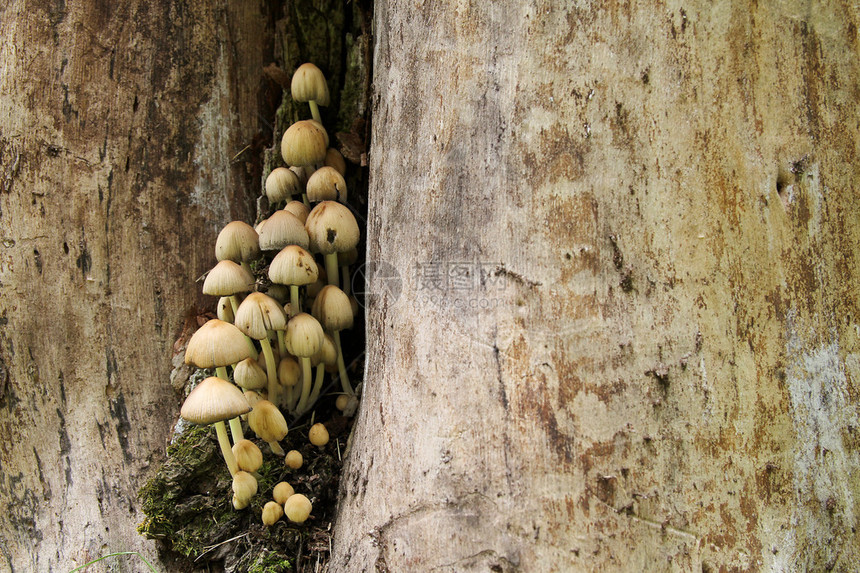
pixel 304 335
pixel 294 459
pixel 334 158
pixel 249 375
pixel 332 228
pixel 282 492
pixel 318 435
pixel 238 242
pixel 216 343
pixel 227 278
pixel 298 209
pixel 259 313
pixel 272 512
pixel 304 143
pixel 214 400
pixel 248 455
pixel 297 508
pixel 333 309
pixel 293 266
pixel 281 185
pixel 244 487
pixel 289 372
pixel 326 184
pixel 308 84
pixel 327 354
pixel 282 229
pixel 267 422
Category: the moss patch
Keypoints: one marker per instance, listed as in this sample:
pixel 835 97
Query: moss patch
pixel 188 503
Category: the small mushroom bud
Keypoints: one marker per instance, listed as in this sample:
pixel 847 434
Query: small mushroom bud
pixel 282 492
pixel 293 460
pixel 298 508
pixel 272 512
pixel 248 456
pixel 318 435
pixel 281 185
pixel 244 486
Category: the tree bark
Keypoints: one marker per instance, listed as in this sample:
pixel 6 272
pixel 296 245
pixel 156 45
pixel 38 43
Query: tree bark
pixel 121 126
pixel 619 329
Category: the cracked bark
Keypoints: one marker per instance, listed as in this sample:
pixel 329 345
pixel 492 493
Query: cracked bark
pixel 627 328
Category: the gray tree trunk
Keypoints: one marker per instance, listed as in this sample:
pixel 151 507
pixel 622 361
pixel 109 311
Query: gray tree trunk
pixel 119 129
pixel 626 332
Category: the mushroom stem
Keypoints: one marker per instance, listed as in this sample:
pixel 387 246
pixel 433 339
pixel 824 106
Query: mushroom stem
pixel 331 269
pixel 305 200
pixel 235 424
pixel 294 301
pixel 277 449
pixel 282 344
pixel 315 393
pixel 271 369
pixel 226 450
pixel 341 367
pixel 306 384
pixel 315 110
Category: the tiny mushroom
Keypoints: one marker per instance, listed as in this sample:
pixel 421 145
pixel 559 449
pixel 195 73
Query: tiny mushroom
pixel 294 459
pixel 318 435
pixel 304 338
pixel 326 184
pixel 295 267
pixel 272 512
pixel 334 311
pixel 282 492
pixel 238 242
pixel 256 316
pixel 244 488
pixel 298 508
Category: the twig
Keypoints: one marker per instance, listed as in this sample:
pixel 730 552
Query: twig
pixel 211 547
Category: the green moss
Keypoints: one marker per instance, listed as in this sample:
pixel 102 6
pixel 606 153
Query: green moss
pixel 270 562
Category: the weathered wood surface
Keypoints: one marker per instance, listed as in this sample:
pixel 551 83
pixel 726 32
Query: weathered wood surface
pixel 118 126
pixel 646 358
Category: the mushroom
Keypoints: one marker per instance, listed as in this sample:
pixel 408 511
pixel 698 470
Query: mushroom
pixel 282 492
pixel 345 259
pixel 304 143
pixel 244 488
pixel 326 184
pixel 281 185
pixel 215 345
pixel 269 424
pixel 318 435
pixel 309 85
pixel 295 267
pixel 289 375
pixel 297 508
pixel 257 315
pixel 332 229
pixel 334 311
pixel 237 242
pixel 272 512
pixel 325 357
pixel 211 402
pixel 293 459
pixel 298 209
pixel 304 338
pixel 334 158
pixel 248 375
pixel 282 229
pixel 249 458
pixel 227 279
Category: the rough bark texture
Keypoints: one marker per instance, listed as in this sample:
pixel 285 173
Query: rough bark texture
pixel 120 124
pixel 626 336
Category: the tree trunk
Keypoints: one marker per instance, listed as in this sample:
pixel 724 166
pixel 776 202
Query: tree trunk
pixel 120 129
pixel 613 318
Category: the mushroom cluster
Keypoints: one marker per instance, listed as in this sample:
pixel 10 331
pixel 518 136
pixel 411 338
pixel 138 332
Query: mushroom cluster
pixel 281 309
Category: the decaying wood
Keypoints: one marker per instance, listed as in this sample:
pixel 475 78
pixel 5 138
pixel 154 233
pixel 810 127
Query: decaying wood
pixel 625 330
pixel 118 123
